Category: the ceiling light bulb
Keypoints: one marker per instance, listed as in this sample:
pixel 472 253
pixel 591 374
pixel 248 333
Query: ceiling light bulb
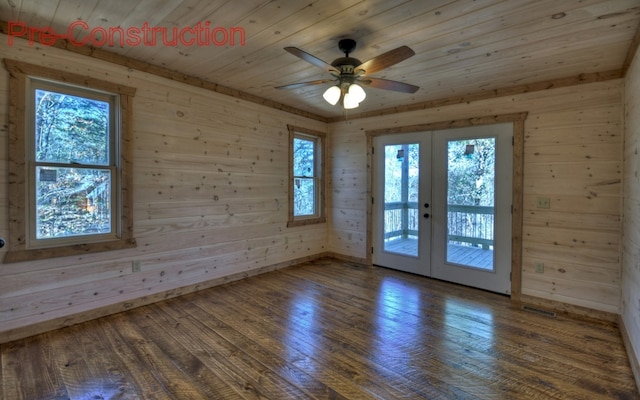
pixel 349 101
pixel 332 95
pixel 357 92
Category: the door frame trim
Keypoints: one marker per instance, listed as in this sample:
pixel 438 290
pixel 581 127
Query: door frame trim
pixel 517 184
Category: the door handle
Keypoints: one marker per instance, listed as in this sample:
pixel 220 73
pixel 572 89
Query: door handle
pixel 426 205
pixel 426 215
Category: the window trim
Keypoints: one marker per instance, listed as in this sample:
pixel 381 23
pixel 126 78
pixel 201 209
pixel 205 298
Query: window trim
pixel 320 216
pixel 20 74
pixel 34 84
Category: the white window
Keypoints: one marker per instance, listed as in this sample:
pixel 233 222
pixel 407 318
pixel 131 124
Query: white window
pixel 306 176
pixel 68 149
pixel 73 173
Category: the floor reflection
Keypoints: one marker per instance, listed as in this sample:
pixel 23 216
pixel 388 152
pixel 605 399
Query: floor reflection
pixel 399 326
pixel 469 335
pixel 470 318
pixel 302 318
pixel 409 333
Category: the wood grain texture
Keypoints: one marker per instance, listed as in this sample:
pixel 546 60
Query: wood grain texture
pixel 19 250
pixel 209 192
pixel 324 330
pixel 106 55
pixel 630 280
pixel 572 154
pixel 487 95
pixel 464 50
pixel 518 131
pixel 209 164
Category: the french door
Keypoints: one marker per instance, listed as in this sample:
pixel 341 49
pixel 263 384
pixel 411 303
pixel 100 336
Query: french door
pixel 442 204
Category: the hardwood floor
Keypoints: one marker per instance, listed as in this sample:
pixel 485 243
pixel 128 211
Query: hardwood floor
pixel 325 330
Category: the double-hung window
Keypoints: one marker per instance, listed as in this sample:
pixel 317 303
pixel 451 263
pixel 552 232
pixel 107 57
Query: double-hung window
pixel 306 176
pixel 72 173
pixel 69 152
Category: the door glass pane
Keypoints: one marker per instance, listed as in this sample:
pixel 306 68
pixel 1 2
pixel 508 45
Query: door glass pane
pixel 401 173
pixel 470 202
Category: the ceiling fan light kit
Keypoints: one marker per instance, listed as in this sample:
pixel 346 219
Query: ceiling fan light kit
pixel 354 96
pixel 332 95
pixel 349 73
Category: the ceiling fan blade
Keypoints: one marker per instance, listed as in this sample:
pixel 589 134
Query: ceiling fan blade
pixel 303 84
pixel 386 60
pixel 386 84
pixel 311 59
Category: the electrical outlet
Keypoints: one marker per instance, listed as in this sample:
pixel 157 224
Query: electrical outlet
pixel 543 202
pixel 539 268
pixel 135 266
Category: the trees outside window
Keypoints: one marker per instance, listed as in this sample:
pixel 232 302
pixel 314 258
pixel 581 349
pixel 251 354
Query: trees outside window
pixel 70 156
pixel 305 181
pixel 471 169
pixel 73 163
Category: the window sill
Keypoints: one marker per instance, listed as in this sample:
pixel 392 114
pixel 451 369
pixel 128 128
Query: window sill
pixel 13 256
pixel 304 222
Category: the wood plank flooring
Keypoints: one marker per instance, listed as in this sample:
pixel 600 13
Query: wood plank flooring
pixel 324 330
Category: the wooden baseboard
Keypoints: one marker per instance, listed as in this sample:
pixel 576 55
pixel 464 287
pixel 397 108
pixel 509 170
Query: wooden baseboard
pixel 631 352
pixel 568 309
pixel 346 258
pixel 68 320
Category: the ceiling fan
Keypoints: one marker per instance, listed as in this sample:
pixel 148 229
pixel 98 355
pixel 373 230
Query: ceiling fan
pixel 349 73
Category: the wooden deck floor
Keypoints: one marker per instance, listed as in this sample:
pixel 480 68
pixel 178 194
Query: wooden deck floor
pixel 456 254
pixel 323 330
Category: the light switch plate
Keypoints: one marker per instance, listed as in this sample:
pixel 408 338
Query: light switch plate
pixel 543 202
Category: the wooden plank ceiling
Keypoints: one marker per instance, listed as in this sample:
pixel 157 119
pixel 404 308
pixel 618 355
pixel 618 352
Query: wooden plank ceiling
pixel 462 47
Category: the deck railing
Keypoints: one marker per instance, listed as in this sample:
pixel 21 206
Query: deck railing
pixel 401 220
pixel 470 225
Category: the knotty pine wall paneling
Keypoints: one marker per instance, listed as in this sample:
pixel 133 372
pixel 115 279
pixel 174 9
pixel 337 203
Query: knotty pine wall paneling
pixel 572 155
pixel 630 313
pixel 210 201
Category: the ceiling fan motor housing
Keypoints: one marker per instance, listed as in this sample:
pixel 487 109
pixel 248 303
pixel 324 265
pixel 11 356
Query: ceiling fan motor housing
pixel 346 65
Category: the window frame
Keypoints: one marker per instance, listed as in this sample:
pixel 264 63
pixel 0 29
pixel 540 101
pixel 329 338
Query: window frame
pixel 319 139
pixel 24 79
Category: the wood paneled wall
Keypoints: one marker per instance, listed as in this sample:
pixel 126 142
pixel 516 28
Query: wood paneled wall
pixel 630 312
pixel 573 155
pixel 210 196
pixel 210 201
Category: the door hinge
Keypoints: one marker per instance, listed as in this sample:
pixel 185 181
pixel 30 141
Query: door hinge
pixel 372 201
pixel 373 150
pixel 371 249
pixel 513 140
